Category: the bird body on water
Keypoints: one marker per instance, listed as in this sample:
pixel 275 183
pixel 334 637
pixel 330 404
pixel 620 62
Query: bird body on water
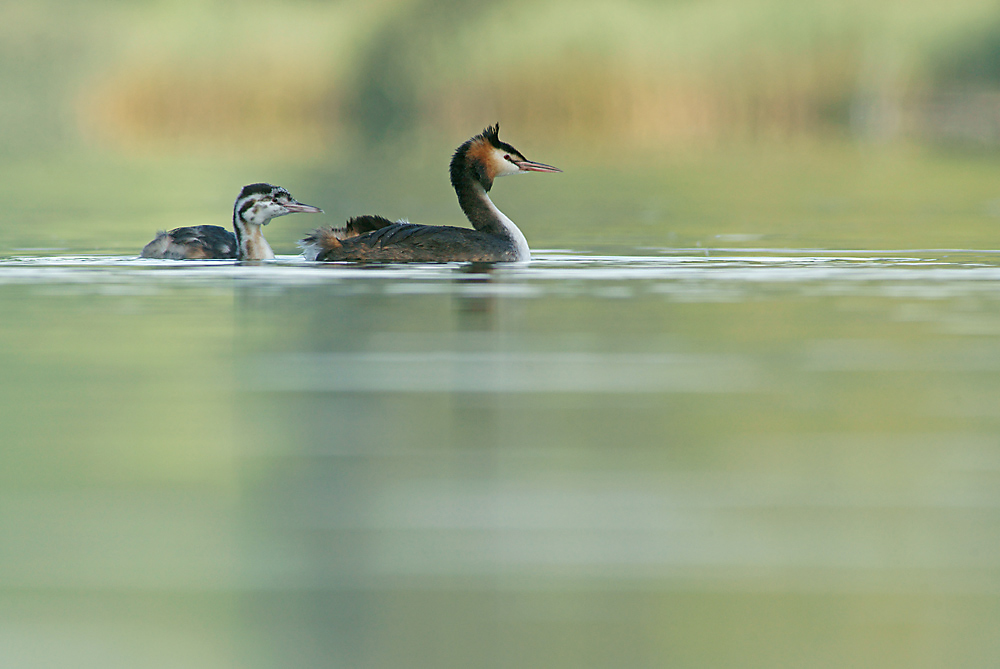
pixel 256 205
pixel 494 237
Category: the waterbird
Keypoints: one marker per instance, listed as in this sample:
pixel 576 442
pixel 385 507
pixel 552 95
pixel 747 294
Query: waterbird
pixel 495 238
pixel 256 205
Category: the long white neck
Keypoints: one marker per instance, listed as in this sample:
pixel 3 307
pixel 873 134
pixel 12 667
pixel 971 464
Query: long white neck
pixel 485 216
pixel 516 236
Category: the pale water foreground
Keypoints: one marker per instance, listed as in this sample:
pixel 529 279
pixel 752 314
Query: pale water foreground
pixel 690 458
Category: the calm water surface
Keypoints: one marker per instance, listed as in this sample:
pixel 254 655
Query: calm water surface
pixel 703 458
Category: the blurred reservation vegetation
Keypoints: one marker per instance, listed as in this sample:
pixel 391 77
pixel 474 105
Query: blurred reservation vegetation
pixel 299 76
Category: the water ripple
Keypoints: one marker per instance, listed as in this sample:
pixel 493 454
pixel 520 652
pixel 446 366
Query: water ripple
pixel 686 273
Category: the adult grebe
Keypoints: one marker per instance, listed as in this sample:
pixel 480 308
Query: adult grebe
pixel 256 206
pixel 495 238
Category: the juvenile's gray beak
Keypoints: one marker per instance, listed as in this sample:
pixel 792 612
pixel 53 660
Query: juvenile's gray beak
pixel 299 208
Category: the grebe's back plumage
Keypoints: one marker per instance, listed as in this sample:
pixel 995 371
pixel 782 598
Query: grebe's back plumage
pixel 408 242
pixel 495 238
pixel 256 205
pixel 195 242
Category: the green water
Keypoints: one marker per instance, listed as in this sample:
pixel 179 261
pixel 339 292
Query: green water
pixel 635 453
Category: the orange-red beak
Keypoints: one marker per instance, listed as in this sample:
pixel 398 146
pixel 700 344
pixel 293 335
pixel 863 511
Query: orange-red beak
pixel 528 166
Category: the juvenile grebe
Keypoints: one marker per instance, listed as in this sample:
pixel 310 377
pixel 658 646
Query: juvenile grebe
pixel 495 238
pixel 256 206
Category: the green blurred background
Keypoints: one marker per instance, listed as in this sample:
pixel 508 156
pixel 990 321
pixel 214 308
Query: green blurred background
pixel 882 117
pixel 775 458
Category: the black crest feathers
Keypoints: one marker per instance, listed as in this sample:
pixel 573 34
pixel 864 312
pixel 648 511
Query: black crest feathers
pixel 256 189
pixel 492 135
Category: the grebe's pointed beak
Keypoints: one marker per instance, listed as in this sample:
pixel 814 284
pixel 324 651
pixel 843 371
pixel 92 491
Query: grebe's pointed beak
pixel 528 166
pixel 299 208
